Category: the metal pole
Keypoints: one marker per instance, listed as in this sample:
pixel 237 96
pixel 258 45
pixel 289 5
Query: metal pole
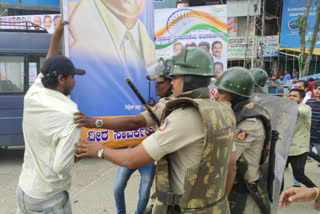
pixel 253 42
pixel 247 33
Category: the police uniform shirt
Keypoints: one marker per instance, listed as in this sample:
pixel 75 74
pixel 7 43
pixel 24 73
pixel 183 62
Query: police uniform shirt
pixel 181 136
pixel 157 109
pixel 249 141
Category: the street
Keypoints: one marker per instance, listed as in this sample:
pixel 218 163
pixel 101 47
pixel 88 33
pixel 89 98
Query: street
pixel 92 187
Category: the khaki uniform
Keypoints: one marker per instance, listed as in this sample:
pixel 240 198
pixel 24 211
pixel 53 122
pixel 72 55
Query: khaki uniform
pixel 157 109
pixel 249 141
pixel 196 154
pixel 252 141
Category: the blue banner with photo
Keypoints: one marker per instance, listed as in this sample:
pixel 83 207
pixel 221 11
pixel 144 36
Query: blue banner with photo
pixel 112 40
pixel 292 9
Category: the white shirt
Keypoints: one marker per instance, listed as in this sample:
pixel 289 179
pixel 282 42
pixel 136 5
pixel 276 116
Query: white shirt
pixel 49 136
pixel 306 98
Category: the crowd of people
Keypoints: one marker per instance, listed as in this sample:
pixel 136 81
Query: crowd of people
pixel 208 156
pixel 279 84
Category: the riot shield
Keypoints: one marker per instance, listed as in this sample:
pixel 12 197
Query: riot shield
pixel 283 114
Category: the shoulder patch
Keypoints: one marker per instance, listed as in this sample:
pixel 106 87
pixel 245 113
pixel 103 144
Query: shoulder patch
pixel 164 125
pixel 154 108
pixel 242 135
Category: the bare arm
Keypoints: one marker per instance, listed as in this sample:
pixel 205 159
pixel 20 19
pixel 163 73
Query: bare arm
pixel 130 158
pixel 231 173
pixel 298 194
pixel 120 124
pixel 55 40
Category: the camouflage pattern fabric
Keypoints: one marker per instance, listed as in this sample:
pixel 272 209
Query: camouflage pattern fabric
pixel 204 185
pixel 238 195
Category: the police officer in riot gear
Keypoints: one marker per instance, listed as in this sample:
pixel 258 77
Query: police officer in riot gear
pixel 260 76
pixel 192 146
pixel 159 73
pixel 252 141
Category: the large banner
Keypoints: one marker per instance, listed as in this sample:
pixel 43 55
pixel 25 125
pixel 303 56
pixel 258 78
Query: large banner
pixel 203 27
pixel 241 47
pixel 112 41
pixel 292 9
pixel 46 22
pixel 267 46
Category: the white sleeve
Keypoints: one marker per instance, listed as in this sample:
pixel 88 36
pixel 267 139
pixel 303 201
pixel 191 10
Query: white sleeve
pixel 64 154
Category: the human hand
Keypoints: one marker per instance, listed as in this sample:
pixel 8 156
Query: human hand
pixel 60 25
pixel 296 194
pixel 76 158
pixel 87 149
pixel 84 120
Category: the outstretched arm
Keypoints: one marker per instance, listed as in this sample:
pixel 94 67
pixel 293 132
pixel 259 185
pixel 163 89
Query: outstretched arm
pixel 131 158
pixel 119 124
pixel 55 40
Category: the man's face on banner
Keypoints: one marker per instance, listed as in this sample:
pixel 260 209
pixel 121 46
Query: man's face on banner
pixel 127 8
pixel 56 20
pixel 47 22
pixel 37 21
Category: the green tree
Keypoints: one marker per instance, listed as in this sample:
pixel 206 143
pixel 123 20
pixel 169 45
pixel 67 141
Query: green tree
pixel 305 70
pixel 303 27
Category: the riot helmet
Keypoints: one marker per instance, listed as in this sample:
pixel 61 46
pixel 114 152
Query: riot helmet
pixel 236 80
pixel 260 76
pixel 196 65
pixel 160 70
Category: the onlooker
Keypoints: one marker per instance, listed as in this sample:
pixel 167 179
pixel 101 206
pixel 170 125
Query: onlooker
pixel 281 79
pixel 49 136
pixel 295 73
pixel 311 82
pixel 304 85
pixel 272 85
pixel 287 76
pixel 314 103
pixel 293 82
pixel 299 146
